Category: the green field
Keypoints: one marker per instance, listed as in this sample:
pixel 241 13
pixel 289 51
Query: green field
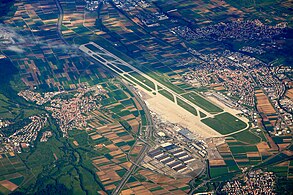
pixel 201 102
pixel 243 149
pixel 202 115
pixel 218 171
pixel 118 95
pixel 58 166
pixel 224 123
pixel 167 94
pixel 186 106
pixel 143 79
pixel 247 137
pixel 164 81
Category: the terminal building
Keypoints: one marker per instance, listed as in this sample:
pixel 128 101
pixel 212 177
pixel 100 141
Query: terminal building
pixel 187 134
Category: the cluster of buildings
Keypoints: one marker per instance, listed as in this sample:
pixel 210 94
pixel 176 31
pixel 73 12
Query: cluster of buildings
pixel 285 124
pixel 244 30
pixel 24 137
pixel 4 123
pixel 148 18
pixel 151 19
pixel 231 72
pixel 239 84
pixel 192 143
pixel 287 104
pixel 70 110
pixel 45 136
pixel 29 133
pixel 92 5
pixel 251 50
pixel 38 98
pixel 179 151
pixel 171 159
pixel 69 114
pixel 237 81
pixel 269 82
pixel 6 147
pixel 255 182
pixel 174 133
pixel 283 73
pixel 129 5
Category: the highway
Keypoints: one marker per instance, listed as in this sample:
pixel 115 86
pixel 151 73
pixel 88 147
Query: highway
pixel 145 149
pixel 60 20
pixel 149 127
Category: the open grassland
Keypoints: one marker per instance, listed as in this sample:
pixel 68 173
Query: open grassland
pixel 186 106
pixel 246 137
pixel 143 79
pixel 135 82
pixel 203 103
pixel 218 171
pixel 167 94
pixel 163 80
pixel 225 123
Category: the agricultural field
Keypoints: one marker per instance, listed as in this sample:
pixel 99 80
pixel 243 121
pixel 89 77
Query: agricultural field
pixel 145 181
pixel 162 41
pixel 97 155
pixel 249 137
pixel 236 155
pixel 263 103
pixel 289 93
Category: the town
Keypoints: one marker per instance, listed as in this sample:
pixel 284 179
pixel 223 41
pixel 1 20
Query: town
pixel 245 83
pixel 254 182
pixel 250 29
pixel 68 107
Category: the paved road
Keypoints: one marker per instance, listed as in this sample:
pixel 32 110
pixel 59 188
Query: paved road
pixel 149 128
pixel 60 20
pixel 145 149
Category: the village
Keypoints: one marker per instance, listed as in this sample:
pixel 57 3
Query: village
pixel 66 107
pixel 146 97
pixel 69 107
pixel 254 182
pixel 244 30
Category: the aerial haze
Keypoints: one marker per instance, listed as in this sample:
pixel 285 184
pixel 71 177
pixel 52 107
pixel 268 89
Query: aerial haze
pixel 146 97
